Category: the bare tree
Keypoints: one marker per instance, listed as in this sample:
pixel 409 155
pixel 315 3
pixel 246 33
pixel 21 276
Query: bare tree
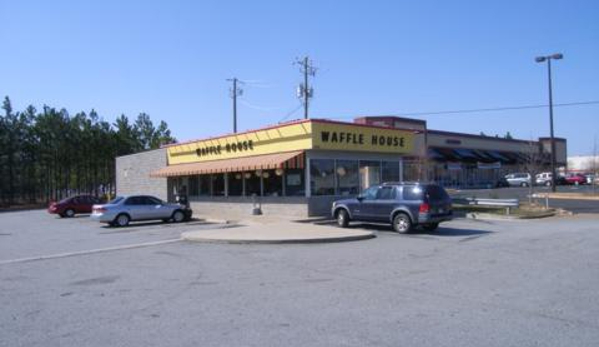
pixel 594 175
pixel 533 165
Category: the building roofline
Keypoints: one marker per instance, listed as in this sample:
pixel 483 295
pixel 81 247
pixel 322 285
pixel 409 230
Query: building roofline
pixel 293 122
pixel 549 138
pixel 403 119
pixel 450 133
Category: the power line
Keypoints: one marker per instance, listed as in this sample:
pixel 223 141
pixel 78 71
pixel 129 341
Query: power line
pixel 257 107
pixel 493 109
pixel 290 113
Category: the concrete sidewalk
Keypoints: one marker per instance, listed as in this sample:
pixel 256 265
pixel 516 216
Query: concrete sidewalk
pixel 278 232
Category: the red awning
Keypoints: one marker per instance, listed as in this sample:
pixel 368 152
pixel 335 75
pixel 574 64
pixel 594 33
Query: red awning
pixel 287 160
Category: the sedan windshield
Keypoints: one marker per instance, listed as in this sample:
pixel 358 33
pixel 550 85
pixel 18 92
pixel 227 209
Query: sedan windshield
pixel 116 200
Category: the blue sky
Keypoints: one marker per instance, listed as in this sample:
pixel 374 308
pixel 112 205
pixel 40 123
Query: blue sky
pixel 171 59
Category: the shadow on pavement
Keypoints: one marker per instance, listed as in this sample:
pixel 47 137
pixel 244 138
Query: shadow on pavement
pixel 441 231
pixel 135 225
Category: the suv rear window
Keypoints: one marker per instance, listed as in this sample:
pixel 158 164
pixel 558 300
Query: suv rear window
pixel 412 193
pixel 436 193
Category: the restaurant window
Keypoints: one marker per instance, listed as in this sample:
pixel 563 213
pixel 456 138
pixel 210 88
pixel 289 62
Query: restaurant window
pixel 205 185
pixel 273 183
pixel 390 171
pixel 235 184
pixel 218 184
pixel 252 182
pixel 370 173
pixel 347 177
pixel 412 170
pixel 322 175
pixel 294 182
pixel 194 185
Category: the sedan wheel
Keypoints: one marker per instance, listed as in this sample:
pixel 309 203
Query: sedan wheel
pixel 178 216
pixel 122 220
pixel 402 223
pixel 69 213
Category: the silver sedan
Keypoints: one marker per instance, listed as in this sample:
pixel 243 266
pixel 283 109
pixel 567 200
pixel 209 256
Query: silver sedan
pixel 124 209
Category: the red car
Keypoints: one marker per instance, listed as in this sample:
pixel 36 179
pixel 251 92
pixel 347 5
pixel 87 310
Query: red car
pixel 576 179
pixel 69 207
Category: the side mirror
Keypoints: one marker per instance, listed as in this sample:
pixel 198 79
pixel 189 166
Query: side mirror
pixel 360 198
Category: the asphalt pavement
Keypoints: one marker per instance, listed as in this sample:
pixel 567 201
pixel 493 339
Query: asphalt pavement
pixel 471 283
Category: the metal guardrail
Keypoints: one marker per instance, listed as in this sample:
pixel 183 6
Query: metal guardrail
pixel 507 203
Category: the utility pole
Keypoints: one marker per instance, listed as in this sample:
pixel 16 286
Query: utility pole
pixel 235 92
pixel 548 59
pixel 304 90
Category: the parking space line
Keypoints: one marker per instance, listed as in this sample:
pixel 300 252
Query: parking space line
pixel 87 252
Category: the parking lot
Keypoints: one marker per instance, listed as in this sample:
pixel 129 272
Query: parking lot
pixel 74 282
pixel 573 205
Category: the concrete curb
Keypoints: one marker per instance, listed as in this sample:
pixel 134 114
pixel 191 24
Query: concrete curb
pixel 567 196
pixel 490 216
pixel 277 233
pixel 193 238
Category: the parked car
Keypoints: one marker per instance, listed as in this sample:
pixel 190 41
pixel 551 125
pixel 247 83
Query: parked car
pixel 502 182
pixel 576 178
pixel 544 179
pixel 404 205
pixel 519 179
pixel 124 209
pixel 73 205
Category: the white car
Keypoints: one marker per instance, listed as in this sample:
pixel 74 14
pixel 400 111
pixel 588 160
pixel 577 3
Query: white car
pixel 544 179
pixel 124 209
pixel 520 179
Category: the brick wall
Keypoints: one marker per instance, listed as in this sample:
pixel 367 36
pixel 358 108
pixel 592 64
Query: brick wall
pixel 133 174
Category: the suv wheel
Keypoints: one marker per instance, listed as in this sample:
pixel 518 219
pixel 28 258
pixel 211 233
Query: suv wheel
pixel 402 223
pixel 122 220
pixel 523 184
pixel 342 218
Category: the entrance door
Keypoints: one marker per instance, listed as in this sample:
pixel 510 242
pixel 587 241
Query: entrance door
pixel 370 174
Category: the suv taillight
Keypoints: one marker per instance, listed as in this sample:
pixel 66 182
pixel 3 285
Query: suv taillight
pixel 424 208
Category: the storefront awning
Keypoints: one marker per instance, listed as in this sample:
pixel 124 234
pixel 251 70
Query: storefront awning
pixel 287 160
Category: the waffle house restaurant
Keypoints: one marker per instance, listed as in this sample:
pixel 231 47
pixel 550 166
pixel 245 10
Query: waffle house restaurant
pixel 296 168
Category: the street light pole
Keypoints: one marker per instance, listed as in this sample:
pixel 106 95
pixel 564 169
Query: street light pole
pixel 540 60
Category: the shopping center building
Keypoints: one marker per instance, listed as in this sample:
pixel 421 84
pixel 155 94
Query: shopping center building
pixel 298 168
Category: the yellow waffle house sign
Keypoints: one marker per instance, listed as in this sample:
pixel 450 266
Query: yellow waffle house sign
pixel 304 135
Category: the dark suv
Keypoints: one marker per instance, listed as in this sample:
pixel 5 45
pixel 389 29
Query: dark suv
pixel 404 205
